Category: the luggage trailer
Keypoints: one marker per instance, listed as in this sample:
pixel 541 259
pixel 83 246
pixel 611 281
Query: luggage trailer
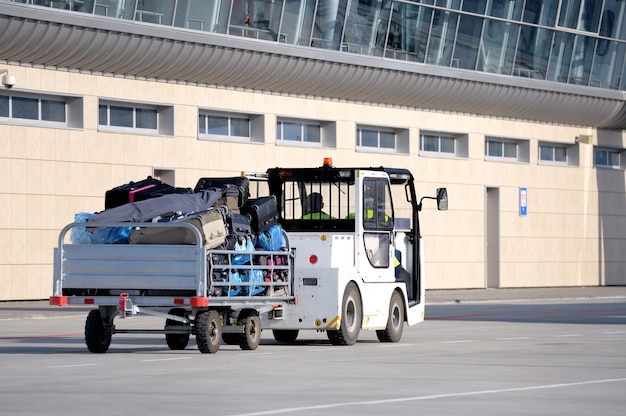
pixel 187 285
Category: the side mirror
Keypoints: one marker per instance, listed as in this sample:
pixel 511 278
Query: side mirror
pixel 442 199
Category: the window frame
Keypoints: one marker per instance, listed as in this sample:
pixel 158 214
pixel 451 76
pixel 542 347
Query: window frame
pixel 303 124
pixel 554 147
pixel 609 151
pixel 164 118
pixel 69 104
pixel 378 130
pixel 522 150
pixel 229 136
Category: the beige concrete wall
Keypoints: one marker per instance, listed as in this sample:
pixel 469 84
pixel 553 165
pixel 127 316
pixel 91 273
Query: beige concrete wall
pixel 574 233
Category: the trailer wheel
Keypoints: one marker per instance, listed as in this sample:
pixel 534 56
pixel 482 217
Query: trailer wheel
pixel 395 322
pixel 208 331
pixel 351 318
pixel 285 335
pixel 251 331
pixel 176 341
pixel 96 338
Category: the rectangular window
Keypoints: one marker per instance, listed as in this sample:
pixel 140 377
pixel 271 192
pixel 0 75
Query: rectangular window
pixel 301 132
pixel 219 125
pixel 376 138
pixel 436 143
pixel 141 118
pixel 553 153
pixel 34 109
pixel 606 158
pixel 501 149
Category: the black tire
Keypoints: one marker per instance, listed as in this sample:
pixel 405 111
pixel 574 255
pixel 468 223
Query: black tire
pixel 351 318
pixel 96 338
pixel 285 335
pixel 395 322
pixel 251 332
pixel 208 327
pixel 177 341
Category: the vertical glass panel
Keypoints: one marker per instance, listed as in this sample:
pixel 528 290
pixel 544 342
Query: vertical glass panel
pixel 450 4
pixel 560 154
pixel 607 65
pixel 328 27
pixel 441 38
pixel 474 6
pixel 467 42
pixel 613 159
pixel 510 149
pixel 121 116
pixel 497 47
pixel 103 115
pixel 209 16
pixel 414 29
pixel 369 138
pixel 240 127
pixel 53 110
pixel 447 144
pixel 494 148
pixel 85 6
pixel 217 125
pixel 4 106
pixel 259 19
pixel 505 9
pixel 387 140
pixel 581 61
pixel 115 8
pixel 366 25
pixel 430 143
pixel 590 17
pixel 613 10
pixel 146 118
pixel 27 108
pixel 570 10
pixel 292 131
pixel 545 152
pixel 533 52
pixel 202 122
pixel 542 12
pixel 601 157
pixel 159 12
pixel 312 133
pixel 561 56
pixel 297 22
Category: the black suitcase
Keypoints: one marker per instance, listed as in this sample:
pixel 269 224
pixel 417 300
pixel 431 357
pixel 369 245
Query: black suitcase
pixel 263 213
pixel 139 191
pixel 236 188
pixel 238 224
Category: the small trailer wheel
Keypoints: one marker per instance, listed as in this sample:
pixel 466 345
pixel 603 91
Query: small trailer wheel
pixel 251 332
pixel 96 338
pixel 208 331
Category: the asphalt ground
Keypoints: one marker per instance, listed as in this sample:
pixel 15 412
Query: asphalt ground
pixel 40 309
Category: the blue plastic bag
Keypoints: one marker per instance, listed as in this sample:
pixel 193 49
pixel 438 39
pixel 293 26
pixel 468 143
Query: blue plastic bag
pixel 270 239
pixel 108 235
pixel 243 245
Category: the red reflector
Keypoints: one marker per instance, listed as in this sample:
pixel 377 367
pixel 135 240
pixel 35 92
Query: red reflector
pixel 179 301
pixel 58 300
pixel 313 259
pixel 199 301
pixel 89 301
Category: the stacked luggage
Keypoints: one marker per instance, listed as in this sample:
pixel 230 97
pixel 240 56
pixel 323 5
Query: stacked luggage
pixel 220 208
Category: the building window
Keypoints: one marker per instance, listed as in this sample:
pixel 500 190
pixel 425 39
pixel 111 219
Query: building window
pixel 606 158
pixel 371 138
pixel 136 118
pixel 435 143
pixel 553 153
pixel 298 132
pixel 34 109
pixel 224 125
pixel 501 149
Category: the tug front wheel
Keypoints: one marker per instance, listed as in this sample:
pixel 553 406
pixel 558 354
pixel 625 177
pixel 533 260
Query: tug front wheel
pixel 395 322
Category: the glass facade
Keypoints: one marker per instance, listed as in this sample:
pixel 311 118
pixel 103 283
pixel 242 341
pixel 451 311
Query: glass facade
pixel 580 42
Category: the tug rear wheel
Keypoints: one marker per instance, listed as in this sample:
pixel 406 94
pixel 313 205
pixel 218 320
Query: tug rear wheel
pixel 208 331
pixel 351 318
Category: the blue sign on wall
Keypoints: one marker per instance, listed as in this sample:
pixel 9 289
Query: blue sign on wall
pixel 523 201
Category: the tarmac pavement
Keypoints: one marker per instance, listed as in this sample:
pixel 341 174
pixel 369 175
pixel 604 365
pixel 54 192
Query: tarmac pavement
pixel 40 309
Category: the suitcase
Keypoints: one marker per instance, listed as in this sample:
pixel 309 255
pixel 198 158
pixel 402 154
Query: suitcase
pixel 139 191
pixel 235 189
pixel 238 224
pixel 210 223
pixel 263 213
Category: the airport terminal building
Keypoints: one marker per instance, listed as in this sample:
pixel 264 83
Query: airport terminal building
pixel 516 106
